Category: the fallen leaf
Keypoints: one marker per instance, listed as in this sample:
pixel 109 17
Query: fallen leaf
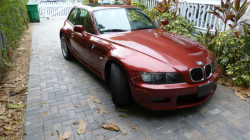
pixel 81 128
pixel 2 110
pixel 93 98
pixel 76 106
pixel 110 126
pixel 65 136
pixel 240 89
pixel 3 117
pixel 247 92
pixel 7 128
pixel 129 122
pixel 45 114
pixel 86 131
pixel 122 115
pixel 227 84
pixel 26 93
pixel 125 133
pixel 12 93
pixel 76 123
pixel 240 95
pixel 42 102
pixel 8 86
pixel 136 128
pixel 15 122
pixel 53 133
pixel 8 133
pixel 102 111
pixel 40 105
pixel 15 106
pixel 94 119
pixel 23 89
pixel 122 110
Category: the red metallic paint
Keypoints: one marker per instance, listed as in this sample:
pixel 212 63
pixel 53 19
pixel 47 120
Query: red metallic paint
pixel 147 50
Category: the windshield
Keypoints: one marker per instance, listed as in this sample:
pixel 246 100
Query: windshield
pixel 119 20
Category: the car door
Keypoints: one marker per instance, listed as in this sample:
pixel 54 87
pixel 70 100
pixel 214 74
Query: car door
pixel 83 41
pixel 99 51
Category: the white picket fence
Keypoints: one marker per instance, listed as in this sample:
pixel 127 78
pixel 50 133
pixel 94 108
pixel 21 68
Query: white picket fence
pixel 48 9
pixel 192 10
pixel 197 13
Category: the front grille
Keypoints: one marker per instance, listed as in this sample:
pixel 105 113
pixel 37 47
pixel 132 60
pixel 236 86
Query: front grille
pixel 208 71
pixel 197 74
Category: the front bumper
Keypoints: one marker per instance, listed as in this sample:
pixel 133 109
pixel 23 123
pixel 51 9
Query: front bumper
pixel 172 96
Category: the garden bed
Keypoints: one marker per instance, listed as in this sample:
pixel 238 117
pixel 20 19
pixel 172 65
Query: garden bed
pixel 13 89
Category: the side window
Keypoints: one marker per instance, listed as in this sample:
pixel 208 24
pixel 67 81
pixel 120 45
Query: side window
pixel 88 24
pixel 81 15
pixel 72 17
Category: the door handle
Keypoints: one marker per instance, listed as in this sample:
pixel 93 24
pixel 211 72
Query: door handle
pixel 72 34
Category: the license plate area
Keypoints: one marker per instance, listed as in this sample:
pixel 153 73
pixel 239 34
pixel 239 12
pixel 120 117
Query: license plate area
pixel 205 89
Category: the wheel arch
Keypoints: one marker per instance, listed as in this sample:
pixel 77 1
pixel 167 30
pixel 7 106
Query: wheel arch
pixel 108 67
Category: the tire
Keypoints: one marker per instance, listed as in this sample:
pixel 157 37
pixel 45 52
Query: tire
pixel 65 49
pixel 119 86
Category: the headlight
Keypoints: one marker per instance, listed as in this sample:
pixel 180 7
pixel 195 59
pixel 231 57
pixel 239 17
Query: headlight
pixel 161 78
pixel 215 66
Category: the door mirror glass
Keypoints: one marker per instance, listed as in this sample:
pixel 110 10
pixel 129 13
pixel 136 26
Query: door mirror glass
pixel 79 28
pixel 164 22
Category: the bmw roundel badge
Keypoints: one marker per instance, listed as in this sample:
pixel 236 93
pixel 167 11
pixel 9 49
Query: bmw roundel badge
pixel 199 63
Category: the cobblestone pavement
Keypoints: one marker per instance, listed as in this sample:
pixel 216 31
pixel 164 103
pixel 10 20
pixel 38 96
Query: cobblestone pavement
pixel 64 84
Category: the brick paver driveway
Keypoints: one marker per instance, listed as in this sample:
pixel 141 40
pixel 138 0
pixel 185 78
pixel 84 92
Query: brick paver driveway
pixel 64 84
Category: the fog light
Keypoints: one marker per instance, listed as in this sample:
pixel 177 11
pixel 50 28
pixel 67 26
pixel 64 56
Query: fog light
pixel 162 100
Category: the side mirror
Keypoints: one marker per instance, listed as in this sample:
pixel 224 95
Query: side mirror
pixel 164 22
pixel 79 29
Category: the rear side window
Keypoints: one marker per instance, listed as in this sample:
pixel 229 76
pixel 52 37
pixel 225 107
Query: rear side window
pixel 81 16
pixel 88 24
pixel 72 17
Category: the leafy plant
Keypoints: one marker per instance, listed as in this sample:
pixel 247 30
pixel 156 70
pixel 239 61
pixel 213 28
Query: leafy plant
pixel 127 2
pixel 7 65
pixel 84 1
pixel 226 45
pixel 225 10
pixel 239 72
pixel 238 10
pixel 247 37
pixel 144 8
pixel 178 25
pixel 12 25
pixel 163 7
pixel 205 39
pixel 230 11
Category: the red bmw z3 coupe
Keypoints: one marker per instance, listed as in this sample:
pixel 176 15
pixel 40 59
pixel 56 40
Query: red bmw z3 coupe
pixel 157 69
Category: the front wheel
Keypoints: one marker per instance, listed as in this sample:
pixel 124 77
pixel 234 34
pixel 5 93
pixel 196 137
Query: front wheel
pixel 65 49
pixel 119 85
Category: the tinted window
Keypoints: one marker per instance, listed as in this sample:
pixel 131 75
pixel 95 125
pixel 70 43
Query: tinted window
pixel 81 16
pixel 72 17
pixel 88 25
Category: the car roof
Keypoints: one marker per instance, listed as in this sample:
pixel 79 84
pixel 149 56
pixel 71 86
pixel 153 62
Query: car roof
pixel 98 6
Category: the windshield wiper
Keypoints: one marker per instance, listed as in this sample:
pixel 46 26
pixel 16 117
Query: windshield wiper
pixel 114 30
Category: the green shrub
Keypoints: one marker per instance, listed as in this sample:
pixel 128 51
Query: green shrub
pixel 144 8
pixel 240 72
pixel 179 26
pixel 12 25
pixel 226 46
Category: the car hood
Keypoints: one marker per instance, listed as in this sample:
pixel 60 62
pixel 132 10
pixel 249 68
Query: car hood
pixel 175 50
